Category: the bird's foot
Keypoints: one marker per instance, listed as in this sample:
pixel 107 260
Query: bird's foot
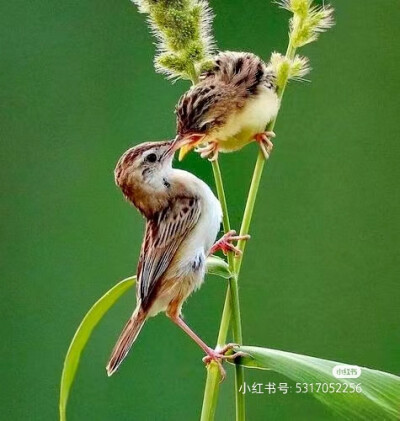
pixel 209 151
pixel 225 243
pixel 218 356
pixel 264 140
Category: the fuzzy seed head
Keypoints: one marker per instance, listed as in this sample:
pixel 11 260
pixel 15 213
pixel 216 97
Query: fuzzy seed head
pixel 299 67
pixel 298 7
pixel 308 20
pixel 287 69
pixel 183 32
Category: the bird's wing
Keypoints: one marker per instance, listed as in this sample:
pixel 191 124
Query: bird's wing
pixel 193 107
pixel 244 71
pixel 164 234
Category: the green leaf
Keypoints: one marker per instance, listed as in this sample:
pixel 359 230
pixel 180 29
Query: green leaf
pixel 82 335
pixel 217 266
pixel 378 400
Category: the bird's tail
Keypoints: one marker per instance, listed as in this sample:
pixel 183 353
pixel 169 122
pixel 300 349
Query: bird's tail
pixel 126 340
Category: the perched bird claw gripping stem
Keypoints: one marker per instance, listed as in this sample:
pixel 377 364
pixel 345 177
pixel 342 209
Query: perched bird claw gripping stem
pixel 216 355
pixel 219 355
pixel 225 243
pixel 266 146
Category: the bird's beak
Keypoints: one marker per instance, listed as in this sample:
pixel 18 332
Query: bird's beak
pixel 185 149
pixel 186 144
pixel 173 146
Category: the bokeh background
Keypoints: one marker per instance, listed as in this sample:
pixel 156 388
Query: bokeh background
pixel 321 273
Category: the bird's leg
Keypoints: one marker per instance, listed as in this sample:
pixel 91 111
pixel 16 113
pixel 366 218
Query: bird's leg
pixel 225 243
pixel 209 151
pixel 222 351
pixel 212 355
pixel 266 146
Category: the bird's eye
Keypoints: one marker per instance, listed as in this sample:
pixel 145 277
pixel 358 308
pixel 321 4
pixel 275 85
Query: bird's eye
pixel 152 157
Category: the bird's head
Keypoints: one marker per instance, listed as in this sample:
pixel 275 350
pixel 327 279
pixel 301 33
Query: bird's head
pixel 143 172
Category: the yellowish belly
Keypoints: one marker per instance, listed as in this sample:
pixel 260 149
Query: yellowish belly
pixel 241 126
pixel 238 141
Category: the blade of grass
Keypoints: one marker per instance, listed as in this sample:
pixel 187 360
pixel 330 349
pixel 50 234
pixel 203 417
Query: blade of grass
pixel 377 398
pixel 82 335
pixel 214 266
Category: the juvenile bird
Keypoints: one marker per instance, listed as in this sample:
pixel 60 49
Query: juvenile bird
pixel 182 221
pixel 229 107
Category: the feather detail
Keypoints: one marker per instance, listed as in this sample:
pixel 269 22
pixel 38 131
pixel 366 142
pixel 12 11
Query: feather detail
pixel 222 92
pixel 245 71
pixel 126 339
pixel 164 234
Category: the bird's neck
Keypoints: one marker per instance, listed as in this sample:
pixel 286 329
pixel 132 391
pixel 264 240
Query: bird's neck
pixel 151 195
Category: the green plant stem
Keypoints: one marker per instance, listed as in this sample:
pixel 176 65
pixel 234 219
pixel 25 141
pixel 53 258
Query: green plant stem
pixel 222 199
pixel 211 389
pixel 255 182
pixel 231 305
pixel 194 77
pixel 231 309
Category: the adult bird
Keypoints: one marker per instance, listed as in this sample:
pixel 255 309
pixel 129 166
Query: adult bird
pixel 182 221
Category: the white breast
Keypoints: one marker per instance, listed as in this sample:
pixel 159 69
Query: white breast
pixel 204 234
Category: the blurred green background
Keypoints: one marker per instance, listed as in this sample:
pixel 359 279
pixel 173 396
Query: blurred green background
pixel 320 277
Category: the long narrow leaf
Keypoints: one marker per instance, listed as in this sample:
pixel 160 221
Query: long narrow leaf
pixel 377 398
pixel 82 335
pixel 215 266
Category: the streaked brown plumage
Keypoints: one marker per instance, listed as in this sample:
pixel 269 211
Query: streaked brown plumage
pixel 230 106
pixel 182 221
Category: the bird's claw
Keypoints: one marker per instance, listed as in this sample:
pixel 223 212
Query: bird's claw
pixel 208 359
pixel 209 151
pixel 264 140
pixel 218 356
pixel 225 243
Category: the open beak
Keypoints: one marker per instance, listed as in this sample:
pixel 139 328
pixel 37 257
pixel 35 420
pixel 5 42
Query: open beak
pixel 185 149
pixel 187 143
